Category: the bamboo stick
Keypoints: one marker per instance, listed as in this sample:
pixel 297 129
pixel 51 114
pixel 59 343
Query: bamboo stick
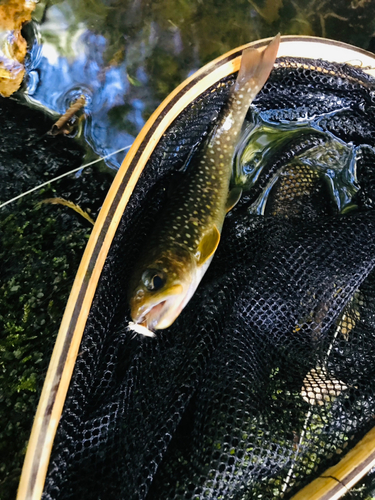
pixel 337 480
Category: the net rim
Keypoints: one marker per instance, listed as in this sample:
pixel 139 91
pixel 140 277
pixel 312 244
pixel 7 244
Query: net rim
pixel 78 306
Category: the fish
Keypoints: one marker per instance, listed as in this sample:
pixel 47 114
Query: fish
pixel 180 248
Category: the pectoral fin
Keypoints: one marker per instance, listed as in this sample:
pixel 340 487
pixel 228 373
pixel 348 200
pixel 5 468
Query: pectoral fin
pixel 208 245
pixel 233 198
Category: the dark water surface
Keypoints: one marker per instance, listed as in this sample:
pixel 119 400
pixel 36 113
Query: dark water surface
pixel 125 58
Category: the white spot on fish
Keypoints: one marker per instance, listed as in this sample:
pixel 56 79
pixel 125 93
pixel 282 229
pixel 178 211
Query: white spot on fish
pixel 228 122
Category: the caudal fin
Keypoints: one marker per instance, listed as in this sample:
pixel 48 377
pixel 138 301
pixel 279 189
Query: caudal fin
pixel 256 65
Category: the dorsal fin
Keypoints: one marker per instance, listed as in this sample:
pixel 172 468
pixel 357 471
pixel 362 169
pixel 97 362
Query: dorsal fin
pixel 256 64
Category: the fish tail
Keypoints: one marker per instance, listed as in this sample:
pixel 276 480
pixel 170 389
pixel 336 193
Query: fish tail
pixel 256 65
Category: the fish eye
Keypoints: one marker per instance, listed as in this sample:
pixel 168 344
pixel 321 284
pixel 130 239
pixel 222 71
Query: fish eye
pixel 157 282
pixel 153 280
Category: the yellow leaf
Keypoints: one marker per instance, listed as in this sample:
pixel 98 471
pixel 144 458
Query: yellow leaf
pixel 70 204
pixel 13 14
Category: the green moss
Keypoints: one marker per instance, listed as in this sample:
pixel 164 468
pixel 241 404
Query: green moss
pixel 40 251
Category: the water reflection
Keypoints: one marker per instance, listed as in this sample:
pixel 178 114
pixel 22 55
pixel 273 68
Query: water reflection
pixel 126 58
pixel 64 65
pixel 331 160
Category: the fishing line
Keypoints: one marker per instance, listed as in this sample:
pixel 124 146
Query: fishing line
pixel 61 176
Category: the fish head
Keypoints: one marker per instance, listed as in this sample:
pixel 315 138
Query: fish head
pixel 161 287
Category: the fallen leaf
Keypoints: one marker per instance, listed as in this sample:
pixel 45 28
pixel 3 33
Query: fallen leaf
pixel 13 14
pixel 320 387
pixel 70 204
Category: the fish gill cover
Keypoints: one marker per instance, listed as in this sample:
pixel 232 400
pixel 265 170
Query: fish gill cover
pixel 266 378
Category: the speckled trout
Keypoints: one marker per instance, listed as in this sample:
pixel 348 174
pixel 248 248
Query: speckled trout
pixel 184 241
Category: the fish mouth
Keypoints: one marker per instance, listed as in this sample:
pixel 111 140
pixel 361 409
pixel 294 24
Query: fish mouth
pixel 151 316
pixel 160 311
pixel 160 315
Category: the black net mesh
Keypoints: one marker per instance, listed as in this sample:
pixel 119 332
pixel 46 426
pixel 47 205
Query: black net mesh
pixel 267 377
